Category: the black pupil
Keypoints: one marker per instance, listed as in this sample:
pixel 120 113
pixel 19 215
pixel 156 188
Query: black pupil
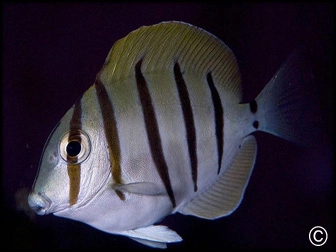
pixel 73 148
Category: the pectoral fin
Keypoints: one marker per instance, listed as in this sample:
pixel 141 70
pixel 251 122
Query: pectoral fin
pixel 227 193
pixel 145 188
pixel 154 236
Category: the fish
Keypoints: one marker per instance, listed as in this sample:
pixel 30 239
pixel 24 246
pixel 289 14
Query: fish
pixel 164 130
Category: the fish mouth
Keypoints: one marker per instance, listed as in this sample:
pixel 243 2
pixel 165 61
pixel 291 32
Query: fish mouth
pixel 39 203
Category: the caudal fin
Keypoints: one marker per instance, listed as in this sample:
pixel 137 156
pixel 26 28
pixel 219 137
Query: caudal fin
pixel 288 106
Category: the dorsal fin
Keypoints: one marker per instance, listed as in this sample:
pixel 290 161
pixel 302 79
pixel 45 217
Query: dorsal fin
pixel 227 193
pixel 160 46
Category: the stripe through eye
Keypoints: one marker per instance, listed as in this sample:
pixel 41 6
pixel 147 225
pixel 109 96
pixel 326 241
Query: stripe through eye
pixel 76 149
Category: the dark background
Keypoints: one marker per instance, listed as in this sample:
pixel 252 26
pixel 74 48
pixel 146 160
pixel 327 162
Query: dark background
pixel 51 54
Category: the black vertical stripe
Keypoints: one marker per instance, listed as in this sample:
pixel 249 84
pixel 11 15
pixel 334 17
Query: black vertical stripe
pixel 219 120
pixel 152 130
pixel 188 121
pixel 111 132
pixel 73 168
pixel 76 119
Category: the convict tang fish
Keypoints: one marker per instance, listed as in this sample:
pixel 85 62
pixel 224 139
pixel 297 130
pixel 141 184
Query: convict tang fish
pixel 163 130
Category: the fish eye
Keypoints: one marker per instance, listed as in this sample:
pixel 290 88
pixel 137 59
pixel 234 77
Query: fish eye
pixel 75 148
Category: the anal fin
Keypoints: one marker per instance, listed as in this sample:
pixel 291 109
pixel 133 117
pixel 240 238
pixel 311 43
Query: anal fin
pixel 228 191
pixel 149 243
pixel 154 236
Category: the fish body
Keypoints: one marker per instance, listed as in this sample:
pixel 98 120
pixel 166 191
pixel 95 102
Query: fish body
pixel 161 131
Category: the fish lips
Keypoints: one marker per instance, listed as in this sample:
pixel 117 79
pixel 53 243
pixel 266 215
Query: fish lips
pixel 39 203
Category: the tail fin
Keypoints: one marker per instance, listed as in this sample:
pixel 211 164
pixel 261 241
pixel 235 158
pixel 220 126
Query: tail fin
pixel 289 106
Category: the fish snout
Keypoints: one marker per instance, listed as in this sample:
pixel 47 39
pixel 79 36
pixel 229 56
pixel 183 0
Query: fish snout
pixel 39 203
